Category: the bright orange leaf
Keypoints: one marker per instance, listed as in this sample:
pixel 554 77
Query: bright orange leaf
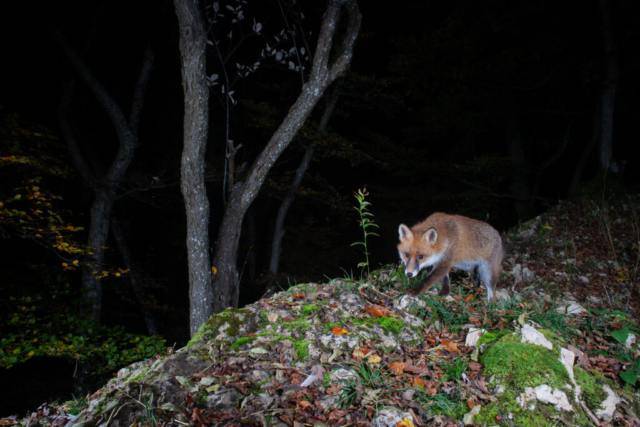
pixel 337 330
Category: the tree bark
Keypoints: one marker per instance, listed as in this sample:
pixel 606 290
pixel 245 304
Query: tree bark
pixel 196 128
pixel 104 187
pixel 278 235
pixel 243 193
pixel 609 88
pixel 519 181
pixel 588 149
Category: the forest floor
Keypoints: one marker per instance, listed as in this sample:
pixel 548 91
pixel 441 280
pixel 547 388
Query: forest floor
pixel 358 351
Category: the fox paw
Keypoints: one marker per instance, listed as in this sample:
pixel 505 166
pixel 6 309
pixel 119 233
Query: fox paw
pixel 414 292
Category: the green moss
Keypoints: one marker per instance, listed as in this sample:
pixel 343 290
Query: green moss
pixel 308 309
pixel 591 388
pixel 241 341
pixel 390 324
pixel 521 365
pixel 329 326
pixel 232 316
pixel 507 405
pixel 489 337
pixel 327 379
pixel 302 348
pixel 301 325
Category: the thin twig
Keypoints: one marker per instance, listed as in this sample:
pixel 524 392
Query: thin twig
pixel 605 289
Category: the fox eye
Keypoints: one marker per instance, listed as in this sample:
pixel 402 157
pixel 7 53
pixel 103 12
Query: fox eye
pixel 420 256
pixel 407 255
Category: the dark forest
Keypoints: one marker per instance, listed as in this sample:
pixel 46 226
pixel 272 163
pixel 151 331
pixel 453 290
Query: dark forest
pixel 492 110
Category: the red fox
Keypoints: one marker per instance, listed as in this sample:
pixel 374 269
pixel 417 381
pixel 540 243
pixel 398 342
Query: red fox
pixel 446 241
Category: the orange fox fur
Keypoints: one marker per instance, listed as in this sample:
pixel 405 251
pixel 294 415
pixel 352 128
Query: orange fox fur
pixel 447 241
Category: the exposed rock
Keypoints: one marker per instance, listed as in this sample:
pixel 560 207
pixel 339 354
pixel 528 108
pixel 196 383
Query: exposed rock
pixel 502 295
pixel 584 279
pixel 609 405
pixel 517 273
pixel 631 340
pixel 473 336
pixel 257 378
pixel 223 398
pixel 571 308
pixel 406 303
pixel 568 357
pixel 342 375
pixel 527 275
pixel 533 336
pixel 545 394
pixel 390 418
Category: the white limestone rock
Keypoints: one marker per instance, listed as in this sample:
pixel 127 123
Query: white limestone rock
pixel 473 336
pixel 390 417
pixel 544 394
pixel 533 336
pixel 609 404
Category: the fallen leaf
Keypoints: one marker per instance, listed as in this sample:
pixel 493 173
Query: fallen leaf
pixel 405 423
pixel 374 358
pixel 297 296
pixel 453 347
pixel 471 402
pixel 305 404
pixel 338 331
pixel 396 368
pixel 468 298
pixel 475 366
pixel 418 383
pixel 289 319
pixel 408 394
pixel 334 389
pixel 377 310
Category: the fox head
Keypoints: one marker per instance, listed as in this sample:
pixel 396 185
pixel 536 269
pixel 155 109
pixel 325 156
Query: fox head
pixel 418 252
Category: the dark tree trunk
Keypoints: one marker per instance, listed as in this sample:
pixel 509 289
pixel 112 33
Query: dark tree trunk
pixel 195 128
pixel 104 187
pixel 520 180
pixel 278 235
pixel 541 169
pixel 140 295
pixel 587 150
pixel 243 193
pixel 609 88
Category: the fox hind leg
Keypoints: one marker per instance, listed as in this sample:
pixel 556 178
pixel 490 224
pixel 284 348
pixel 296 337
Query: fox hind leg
pixel 489 275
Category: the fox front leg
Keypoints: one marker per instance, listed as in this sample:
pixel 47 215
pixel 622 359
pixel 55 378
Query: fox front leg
pixel 434 277
pixel 444 291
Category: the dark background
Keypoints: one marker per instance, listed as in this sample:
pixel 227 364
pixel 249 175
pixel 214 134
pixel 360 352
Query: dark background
pixel 423 121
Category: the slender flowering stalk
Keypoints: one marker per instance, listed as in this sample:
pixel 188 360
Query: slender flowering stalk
pixel 365 222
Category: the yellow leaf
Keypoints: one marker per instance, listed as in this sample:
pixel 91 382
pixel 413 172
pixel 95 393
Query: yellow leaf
pixel 31 353
pixel 405 423
pixel 374 358
pixel 215 271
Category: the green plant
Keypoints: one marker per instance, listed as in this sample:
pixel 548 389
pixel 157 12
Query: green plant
pixel 45 324
pixel 366 223
pixel 456 368
pixel 544 231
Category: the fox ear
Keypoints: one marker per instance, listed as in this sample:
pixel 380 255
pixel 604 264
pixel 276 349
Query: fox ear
pixel 405 233
pixel 430 236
